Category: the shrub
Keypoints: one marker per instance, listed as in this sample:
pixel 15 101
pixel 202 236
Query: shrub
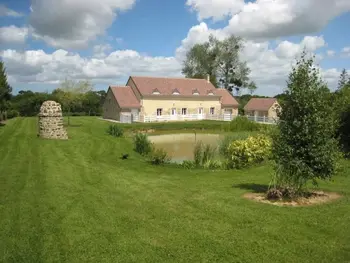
pixel 158 157
pixel 254 150
pixel 12 114
pixel 188 164
pixel 242 123
pixel 115 130
pixel 142 144
pixel 212 164
pixel 228 139
pixel 197 153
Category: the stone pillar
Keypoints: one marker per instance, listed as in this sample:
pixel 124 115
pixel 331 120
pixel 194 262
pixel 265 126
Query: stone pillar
pixel 51 121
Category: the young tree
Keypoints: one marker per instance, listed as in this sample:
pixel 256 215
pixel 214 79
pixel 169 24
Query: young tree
pixel 219 59
pixel 71 93
pixel 5 91
pixel 305 147
pixel 343 79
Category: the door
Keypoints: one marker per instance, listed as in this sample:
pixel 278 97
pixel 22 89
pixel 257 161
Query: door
pixel 135 114
pixel 200 113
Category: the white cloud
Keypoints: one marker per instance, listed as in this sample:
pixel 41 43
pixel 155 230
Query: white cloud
pixel 330 53
pixel 100 50
pixel 13 35
pixel 37 66
pixel 272 18
pixel 72 24
pixel 216 9
pixel 346 51
pixel 270 65
pixel 4 11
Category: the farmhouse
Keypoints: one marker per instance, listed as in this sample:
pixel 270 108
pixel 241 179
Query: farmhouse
pixel 149 99
pixel 262 109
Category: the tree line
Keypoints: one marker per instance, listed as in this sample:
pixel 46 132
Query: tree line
pixel 76 98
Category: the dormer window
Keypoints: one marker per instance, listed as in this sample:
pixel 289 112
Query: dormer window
pixel 195 92
pixel 210 93
pixel 155 92
pixel 176 92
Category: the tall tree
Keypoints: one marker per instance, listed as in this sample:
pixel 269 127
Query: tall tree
pixel 231 71
pixel 219 59
pixel 71 93
pixel 343 79
pixel 201 60
pixel 305 148
pixel 5 91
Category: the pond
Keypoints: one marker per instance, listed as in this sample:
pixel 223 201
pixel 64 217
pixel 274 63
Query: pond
pixel 180 146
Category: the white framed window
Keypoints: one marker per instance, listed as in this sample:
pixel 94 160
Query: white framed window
pixel 173 111
pixel 212 110
pixel 200 110
pixel 159 112
pixel 184 111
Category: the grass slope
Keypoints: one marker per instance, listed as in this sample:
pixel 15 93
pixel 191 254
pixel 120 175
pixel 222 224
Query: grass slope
pixel 76 201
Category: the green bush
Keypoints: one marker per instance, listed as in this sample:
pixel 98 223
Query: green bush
pixel 142 144
pixel 115 130
pixel 213 164
pixel 242 123
pixel 12 114
pixel 158 157
pixel 188 164
pixel 228 139
pixel 244 153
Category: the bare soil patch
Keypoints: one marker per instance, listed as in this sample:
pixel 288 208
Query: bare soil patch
pixel 316 197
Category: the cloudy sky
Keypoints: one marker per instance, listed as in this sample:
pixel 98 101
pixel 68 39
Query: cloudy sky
pixel 44 41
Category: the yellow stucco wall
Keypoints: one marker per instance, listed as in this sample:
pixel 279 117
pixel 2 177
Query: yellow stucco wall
pixel 150 106
pixel 111 108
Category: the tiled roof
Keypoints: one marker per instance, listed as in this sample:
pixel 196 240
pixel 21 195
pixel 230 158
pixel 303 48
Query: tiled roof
pixel 262 104
pixel 166 86
pixel 125 97
pixel 226 97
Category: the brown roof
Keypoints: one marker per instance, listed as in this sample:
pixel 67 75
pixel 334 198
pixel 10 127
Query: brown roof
pixel 166 86
pixel 125 97
pixel 226 97
pixel 262 104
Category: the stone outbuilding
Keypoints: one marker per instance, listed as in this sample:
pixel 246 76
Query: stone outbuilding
pixel 51 121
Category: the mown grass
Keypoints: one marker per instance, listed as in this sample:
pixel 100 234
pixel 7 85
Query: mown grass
pixel 77 201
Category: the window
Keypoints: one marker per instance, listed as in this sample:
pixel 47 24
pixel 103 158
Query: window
pixel 159 112
pixel 173 111
pixel 212 110
pixel 184 111
pixel 200 110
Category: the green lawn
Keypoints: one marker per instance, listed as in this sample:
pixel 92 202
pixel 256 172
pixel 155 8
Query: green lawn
pixel 77 201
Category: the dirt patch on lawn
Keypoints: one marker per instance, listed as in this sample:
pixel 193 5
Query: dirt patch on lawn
pixel 316 197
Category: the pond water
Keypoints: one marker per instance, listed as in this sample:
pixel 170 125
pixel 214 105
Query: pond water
pixel 180 146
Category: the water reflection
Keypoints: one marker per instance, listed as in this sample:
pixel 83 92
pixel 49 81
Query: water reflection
pixel 180 146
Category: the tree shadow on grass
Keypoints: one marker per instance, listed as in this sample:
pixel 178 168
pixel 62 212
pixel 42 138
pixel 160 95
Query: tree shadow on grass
pixel 2 124
pixel 256 188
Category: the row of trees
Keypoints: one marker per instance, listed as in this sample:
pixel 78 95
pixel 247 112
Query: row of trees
pixel 76 98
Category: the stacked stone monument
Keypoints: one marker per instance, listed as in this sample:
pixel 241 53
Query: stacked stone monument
pixel 51 121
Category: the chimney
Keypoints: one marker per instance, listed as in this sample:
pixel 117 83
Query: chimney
pixel 208 78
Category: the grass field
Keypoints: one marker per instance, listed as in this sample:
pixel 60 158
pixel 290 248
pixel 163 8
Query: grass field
pixel 77 201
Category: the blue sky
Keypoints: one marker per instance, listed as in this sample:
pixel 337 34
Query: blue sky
pixel 108 40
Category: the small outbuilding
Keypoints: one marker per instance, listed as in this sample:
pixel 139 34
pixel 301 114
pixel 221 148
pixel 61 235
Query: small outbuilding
pixel 262 108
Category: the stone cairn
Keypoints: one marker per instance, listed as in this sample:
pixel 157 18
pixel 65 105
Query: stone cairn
pixel 51 121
